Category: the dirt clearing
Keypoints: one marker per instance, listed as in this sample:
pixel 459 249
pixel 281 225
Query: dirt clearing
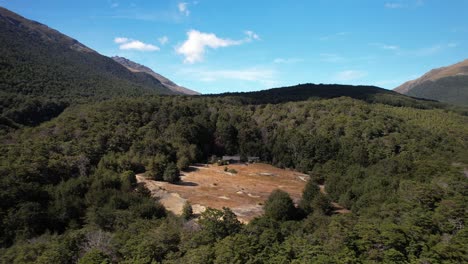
pixel 244 192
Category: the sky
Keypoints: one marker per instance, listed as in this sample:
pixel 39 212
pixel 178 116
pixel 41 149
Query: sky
pixel 215 46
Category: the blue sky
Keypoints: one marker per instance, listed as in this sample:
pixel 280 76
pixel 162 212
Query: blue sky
pixel 220 45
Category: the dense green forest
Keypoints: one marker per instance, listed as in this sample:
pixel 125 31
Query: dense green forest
pixel 69 193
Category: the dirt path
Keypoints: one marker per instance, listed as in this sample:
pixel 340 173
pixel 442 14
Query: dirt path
pixel 337 207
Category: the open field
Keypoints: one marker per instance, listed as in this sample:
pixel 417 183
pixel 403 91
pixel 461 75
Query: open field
pixel 244 192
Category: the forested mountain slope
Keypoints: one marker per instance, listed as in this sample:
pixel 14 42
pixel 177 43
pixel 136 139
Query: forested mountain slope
pixel 399 170
pixel 38 60
pixel 42 71
pixel 447 84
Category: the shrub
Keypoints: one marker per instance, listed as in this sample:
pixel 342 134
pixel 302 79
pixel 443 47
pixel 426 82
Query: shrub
pixel 280 206
pixel 171 174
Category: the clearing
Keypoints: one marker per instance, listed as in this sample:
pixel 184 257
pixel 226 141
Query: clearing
pixel 210 186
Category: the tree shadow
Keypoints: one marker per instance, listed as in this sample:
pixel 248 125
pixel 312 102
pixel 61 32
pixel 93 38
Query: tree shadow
pixel 191 169
pixel 184 183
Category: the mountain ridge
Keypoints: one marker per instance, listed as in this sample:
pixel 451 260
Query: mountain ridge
pixel 40 61
pixel 447 84
pixel 136 67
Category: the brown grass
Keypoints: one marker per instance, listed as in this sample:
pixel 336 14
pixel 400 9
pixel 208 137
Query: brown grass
pixel 244 192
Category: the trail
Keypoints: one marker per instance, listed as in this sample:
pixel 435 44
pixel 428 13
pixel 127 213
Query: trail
pixel 338 209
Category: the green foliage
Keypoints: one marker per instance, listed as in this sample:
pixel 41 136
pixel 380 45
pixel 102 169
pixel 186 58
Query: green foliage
pixel 219 223
pixel 157 167
pixel 171 173
pixel 187 211
pixel 280 206
pixel 94 256
pixel 309 194
pixel 399 170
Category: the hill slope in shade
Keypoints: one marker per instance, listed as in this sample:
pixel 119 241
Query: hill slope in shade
pixel 447 84
pixel 309 91
pixel 135 67
pixel 40 61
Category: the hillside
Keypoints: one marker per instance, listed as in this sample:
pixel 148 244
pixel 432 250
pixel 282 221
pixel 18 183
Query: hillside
pixel 69 188
pixel 447 84
pixel 303 92
pixel 40 61
pixel 135 67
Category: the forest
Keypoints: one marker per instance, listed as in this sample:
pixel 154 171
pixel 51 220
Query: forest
pixel 69 193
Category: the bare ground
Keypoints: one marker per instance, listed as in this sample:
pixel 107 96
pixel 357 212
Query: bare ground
pixel 210 186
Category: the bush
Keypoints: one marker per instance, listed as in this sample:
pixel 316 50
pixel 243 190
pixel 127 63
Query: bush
pixel 280 206
pixel 311 191
pixel 187 211
pixel 94 256
pixel 171 174
pixel 128 180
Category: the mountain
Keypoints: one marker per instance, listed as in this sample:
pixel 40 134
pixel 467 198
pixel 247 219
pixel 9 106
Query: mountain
pixel 447 84
pixel 37 60
pixel 135 67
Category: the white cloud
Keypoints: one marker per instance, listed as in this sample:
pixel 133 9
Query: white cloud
pixel 333 36
pixel 428 51
pixel 251 35
pixel 390 47
pixel 393 5
pixel 263 76
pixel 183 8
pixel 386 46
pixel 113 4
pixel 194 47
pixel 330 57
pixel 419 52
pixel 138 45
pixel 130 44
pixel 350 75
pixel 287 60
pixel 121 40
pixel 407 4
pixel 163 40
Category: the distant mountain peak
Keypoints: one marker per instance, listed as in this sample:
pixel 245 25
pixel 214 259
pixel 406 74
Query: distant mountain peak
pixel 447 84
pixel 136 67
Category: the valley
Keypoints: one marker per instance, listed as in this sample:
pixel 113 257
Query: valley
pixel 104 160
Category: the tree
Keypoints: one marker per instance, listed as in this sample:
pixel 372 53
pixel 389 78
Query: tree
pixel 219 224
pixel 157 167
pixel 128 180
pixel 187 211
pixel 94 256
pixel 311 191
pixel 171 173
pixel 323 204
pixel 280 206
